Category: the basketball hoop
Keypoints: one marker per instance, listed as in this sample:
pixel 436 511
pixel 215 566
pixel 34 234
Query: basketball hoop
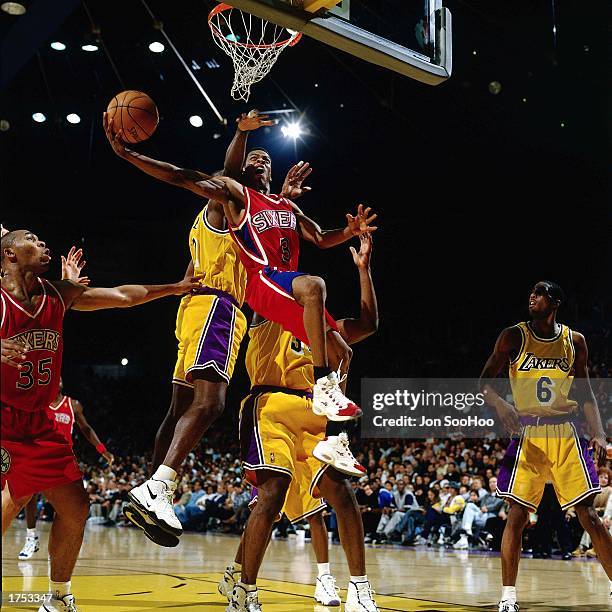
pixel 254 45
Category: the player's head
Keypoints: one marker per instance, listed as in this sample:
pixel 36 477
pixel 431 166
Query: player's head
pixel 22 249
pixel 257 170
pixel 544 299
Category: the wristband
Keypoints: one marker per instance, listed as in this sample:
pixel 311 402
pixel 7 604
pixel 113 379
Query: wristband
pixel 101 448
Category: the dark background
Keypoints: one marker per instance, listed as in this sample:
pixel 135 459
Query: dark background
pixel 478 195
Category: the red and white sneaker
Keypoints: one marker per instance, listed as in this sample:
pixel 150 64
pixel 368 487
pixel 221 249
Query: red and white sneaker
pixel 335 451
pixel 329 401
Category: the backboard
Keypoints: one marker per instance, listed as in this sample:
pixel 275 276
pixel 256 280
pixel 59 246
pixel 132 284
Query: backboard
pixel 411 37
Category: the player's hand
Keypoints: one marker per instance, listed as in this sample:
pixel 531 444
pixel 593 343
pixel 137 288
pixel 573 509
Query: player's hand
pixel 109 457
pixel 360 223
pixel 599 445
pixel 508 416
pixel 187 285
pixel 13 353
pixel 253 121
pixel 3 230
pixel 115 139
pixel 362 258
pixel 72 265
pixel 293 186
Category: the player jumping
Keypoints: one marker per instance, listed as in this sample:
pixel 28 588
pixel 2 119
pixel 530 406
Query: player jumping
pixel 544 358
pixel 35 456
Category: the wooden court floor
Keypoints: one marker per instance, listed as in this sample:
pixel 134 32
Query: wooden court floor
pixel 120 570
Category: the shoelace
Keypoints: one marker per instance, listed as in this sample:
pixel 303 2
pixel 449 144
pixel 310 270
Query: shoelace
pixel 365 589
pixel 332 388
pixel 334 590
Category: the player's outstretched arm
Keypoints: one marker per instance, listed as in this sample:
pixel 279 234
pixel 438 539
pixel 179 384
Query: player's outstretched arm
pixel 325 239
pixel 508 344
pixel 88 431
pixel 355 330
pixel 236 152
pixel 79 297
pixel 586 398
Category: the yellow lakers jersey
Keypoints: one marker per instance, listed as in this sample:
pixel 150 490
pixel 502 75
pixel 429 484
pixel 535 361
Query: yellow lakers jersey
pixel 216 258
pixel 275 358
pixel 541 375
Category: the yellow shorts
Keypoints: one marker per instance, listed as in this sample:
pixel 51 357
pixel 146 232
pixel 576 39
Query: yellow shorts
pixel 548 453
pixel 278 432
pixel 209 330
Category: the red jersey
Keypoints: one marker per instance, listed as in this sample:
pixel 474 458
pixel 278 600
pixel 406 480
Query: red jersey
pixel 63 417
pixel 36 385
pixel 267 233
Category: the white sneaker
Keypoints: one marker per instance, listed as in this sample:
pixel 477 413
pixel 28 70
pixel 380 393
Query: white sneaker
pixel 242 600
pixel 326 592
pixel 31 546
pixel 64 604
pixel 441 540
pixel 335 451
pixel 462 543
pixel 328 400
pixel 360 598
pixel 507 606
pixel 227 583
pixel 153 499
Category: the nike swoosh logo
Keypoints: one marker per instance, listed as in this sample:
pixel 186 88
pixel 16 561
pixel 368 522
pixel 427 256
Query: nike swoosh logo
pixel 150 493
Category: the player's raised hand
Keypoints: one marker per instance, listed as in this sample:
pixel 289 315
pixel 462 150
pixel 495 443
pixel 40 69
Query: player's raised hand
pixel 362 258
pixel 360 223
pixel 293 187
pixel 109 457
pixel 13 353
pixel 114 138
pixel 253 121
pixel 72 264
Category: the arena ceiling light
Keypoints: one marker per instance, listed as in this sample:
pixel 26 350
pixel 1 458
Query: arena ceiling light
pixel 292 130
pixel 124 361
pixel 58 46
pixel 89 47
pixel 39 117
pixel 13 8
pixel 73 118
pixel 196 121
pixel 156 47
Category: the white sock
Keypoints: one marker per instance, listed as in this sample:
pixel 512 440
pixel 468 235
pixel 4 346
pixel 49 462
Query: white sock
pixel 509 594
pixel 59 589
pixel 363 578
pixel 323 569
pixel 164 473
pixel 468 531
pixel 235 568
pixel 248 587
pixel 31 533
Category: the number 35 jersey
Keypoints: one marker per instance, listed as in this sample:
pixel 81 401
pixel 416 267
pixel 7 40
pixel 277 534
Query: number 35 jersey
pixel 36 384
pixel 541 375
pixel 267 233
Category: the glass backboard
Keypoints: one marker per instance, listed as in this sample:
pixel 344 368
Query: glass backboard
pixel 411 37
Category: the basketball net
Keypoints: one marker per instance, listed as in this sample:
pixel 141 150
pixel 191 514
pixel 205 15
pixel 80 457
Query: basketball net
pixel 254 45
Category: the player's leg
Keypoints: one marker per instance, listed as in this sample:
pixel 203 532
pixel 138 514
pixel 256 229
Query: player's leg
pixel 272 489
pixel 182 397
pixel 232 572
pixel 600 536
pixel 335 488
pixel 32 544
pixel 11 507
pixel 518 515
pixel 71 506
pixel 326 592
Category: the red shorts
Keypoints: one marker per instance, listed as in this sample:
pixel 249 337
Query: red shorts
pixel 269 294
pixel 35 456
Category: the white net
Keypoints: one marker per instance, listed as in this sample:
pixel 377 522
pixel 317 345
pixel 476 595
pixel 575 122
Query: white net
pixel 254 45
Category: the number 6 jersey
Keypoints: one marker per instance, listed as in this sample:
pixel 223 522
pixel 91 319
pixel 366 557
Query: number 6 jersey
pixel 541 374
pixel 36 384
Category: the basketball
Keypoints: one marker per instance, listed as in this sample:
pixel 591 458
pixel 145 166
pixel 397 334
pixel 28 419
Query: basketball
pixel 135 113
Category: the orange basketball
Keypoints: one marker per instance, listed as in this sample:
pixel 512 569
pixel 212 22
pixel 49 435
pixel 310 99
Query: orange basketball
pixel 135 113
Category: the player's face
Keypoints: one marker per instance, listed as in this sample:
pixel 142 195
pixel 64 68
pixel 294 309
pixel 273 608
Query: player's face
pixel 258 169
pixel 540 305
pixel 32 253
